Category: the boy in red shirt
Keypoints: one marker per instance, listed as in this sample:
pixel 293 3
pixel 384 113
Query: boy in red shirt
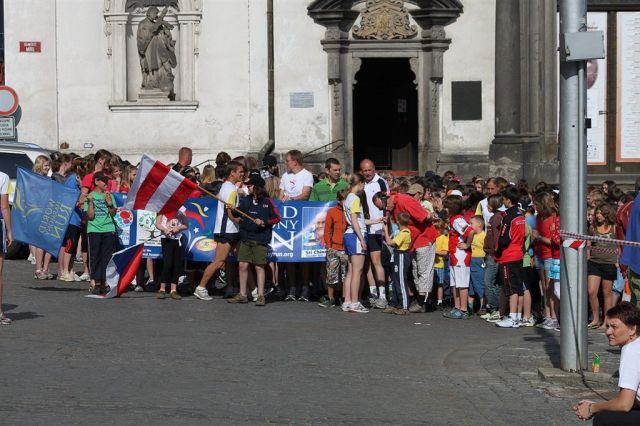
pixel 460 238
pixel 509 254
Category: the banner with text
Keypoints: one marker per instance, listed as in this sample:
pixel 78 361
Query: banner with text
pixel 297 238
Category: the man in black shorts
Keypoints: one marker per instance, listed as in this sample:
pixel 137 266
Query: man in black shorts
pixel 375 273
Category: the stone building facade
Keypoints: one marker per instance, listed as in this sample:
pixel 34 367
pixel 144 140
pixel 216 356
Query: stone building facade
pixel 415 84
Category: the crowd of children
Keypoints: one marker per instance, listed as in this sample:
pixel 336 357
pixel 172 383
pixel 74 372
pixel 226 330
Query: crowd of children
pixel 423 243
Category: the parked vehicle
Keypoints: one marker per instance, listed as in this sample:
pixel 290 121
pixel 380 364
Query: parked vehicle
pixel 12 156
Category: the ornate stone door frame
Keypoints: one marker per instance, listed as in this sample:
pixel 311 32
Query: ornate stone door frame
pixel 424 53
pixel 117 18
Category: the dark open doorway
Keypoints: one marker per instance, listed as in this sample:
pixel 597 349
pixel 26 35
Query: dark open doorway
pixel 385 117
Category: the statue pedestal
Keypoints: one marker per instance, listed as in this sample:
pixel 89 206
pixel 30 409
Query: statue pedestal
pixel 155 96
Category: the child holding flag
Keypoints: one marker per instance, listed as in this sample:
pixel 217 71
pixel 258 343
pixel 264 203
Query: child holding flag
pixel 101 231
pixel 172 252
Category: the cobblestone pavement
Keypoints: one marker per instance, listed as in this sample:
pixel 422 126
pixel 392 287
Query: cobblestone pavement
pixel 68 359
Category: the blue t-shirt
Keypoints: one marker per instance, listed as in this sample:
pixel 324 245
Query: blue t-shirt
pixel 631 255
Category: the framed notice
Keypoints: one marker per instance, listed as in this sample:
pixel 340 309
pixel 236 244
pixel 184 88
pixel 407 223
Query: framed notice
pixel 628 104
pixel 597 97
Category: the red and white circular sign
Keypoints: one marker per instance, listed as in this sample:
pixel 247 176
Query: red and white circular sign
pixel 8 101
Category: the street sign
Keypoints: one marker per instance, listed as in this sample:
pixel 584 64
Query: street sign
pixel 30 47
pixel 8 101
pixel 7 128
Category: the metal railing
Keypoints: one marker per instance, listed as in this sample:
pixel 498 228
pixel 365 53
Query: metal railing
pixel 325 148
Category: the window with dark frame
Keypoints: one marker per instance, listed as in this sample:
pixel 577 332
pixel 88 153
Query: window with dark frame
pixel 466 100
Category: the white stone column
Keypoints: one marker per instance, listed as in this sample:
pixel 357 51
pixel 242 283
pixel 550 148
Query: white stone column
pixel 188 24
pixel 115 29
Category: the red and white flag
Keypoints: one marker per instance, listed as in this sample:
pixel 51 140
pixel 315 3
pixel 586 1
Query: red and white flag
pixel 157 188
pixel 573 243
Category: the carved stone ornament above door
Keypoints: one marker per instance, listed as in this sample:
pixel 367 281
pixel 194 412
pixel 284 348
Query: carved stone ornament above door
pixel 385 20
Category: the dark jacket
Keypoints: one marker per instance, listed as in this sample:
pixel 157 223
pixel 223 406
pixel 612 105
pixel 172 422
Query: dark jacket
pixel 264 210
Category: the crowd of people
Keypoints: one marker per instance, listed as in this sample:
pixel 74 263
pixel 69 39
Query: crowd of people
pixel 401 244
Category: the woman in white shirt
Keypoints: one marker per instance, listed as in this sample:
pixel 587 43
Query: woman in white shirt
pixel 623 327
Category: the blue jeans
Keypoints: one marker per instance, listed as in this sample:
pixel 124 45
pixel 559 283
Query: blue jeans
pixel 441 278
pixel 492 288
pixel 476 287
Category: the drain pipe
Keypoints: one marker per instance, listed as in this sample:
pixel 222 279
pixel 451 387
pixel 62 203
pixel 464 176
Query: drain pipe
pixel 271 143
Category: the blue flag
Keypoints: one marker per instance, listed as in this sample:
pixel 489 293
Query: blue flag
pixel 41 210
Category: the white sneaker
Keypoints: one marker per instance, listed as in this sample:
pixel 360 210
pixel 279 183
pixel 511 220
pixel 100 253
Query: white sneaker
pixel 494 317
pixel 508 322
pixel 64 276
pixel 254 294
pixel 346 307
pixel 381 303
pixel 528 322
pixel 202 293
pixel 31 259
pixel 138 289
pixel 552 324
pixel 85 277
pixel 358 308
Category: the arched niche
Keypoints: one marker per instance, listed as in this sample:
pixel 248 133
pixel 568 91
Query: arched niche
pixel 121 23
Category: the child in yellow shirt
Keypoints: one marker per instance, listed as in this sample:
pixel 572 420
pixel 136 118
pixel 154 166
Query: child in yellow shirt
pixel 441 264
pixel 401 265
pixel 476 284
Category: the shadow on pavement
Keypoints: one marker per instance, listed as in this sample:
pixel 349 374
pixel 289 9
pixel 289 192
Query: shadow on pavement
pixel 550 343
pixel 50 288
pixel 19 316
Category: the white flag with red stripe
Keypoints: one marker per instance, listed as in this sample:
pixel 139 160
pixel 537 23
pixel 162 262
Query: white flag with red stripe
pixel 573 243
pixel 157 188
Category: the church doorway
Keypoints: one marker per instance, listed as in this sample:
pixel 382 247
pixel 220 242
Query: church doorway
pixel 385 114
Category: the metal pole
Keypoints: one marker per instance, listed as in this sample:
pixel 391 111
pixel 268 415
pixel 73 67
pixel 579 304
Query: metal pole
pixel 573 165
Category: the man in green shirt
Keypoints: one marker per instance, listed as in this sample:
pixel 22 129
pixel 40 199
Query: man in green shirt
pixel 327 189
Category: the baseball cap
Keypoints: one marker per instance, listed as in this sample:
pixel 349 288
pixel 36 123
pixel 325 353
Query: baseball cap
pixel 415 188
pixel 255 181
pixel 101 177
pixel 269 160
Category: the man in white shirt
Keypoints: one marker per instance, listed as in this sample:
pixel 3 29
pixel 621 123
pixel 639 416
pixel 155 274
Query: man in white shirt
pixel 226 231
pixel 375 273
pixel 6 234
pixel 296 185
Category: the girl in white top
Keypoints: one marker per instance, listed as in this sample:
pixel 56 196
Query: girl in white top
pixel 623 326
pixel 355 243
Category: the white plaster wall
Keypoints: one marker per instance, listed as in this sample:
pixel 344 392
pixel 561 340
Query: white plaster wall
pixel 471 57
pixel 32 75
pixel 300 66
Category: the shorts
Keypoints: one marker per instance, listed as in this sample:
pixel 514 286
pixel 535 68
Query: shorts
pixel 529 278
pixel 554 269
pixel 511 277
pixel 543 264
pixel 71 239
pixel 227 238
pixel 374 242
pixel 459 276
pixel 352 244
pixel 3 238
pixel 605 271
pixel 252 252
pixel 337 261
pixel 477 277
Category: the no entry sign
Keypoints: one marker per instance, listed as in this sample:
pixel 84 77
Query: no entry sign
pixel 8 101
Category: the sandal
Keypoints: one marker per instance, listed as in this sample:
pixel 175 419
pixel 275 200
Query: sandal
pixel 593 326
pixel 5 320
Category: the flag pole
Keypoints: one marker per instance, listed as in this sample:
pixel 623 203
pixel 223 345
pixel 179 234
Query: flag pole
pixel 231 206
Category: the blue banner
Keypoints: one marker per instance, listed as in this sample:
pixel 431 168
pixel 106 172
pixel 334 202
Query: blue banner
pixel 297 238
pixel 41 210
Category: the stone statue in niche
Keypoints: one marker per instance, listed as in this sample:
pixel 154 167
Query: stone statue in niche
pixel 156 49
